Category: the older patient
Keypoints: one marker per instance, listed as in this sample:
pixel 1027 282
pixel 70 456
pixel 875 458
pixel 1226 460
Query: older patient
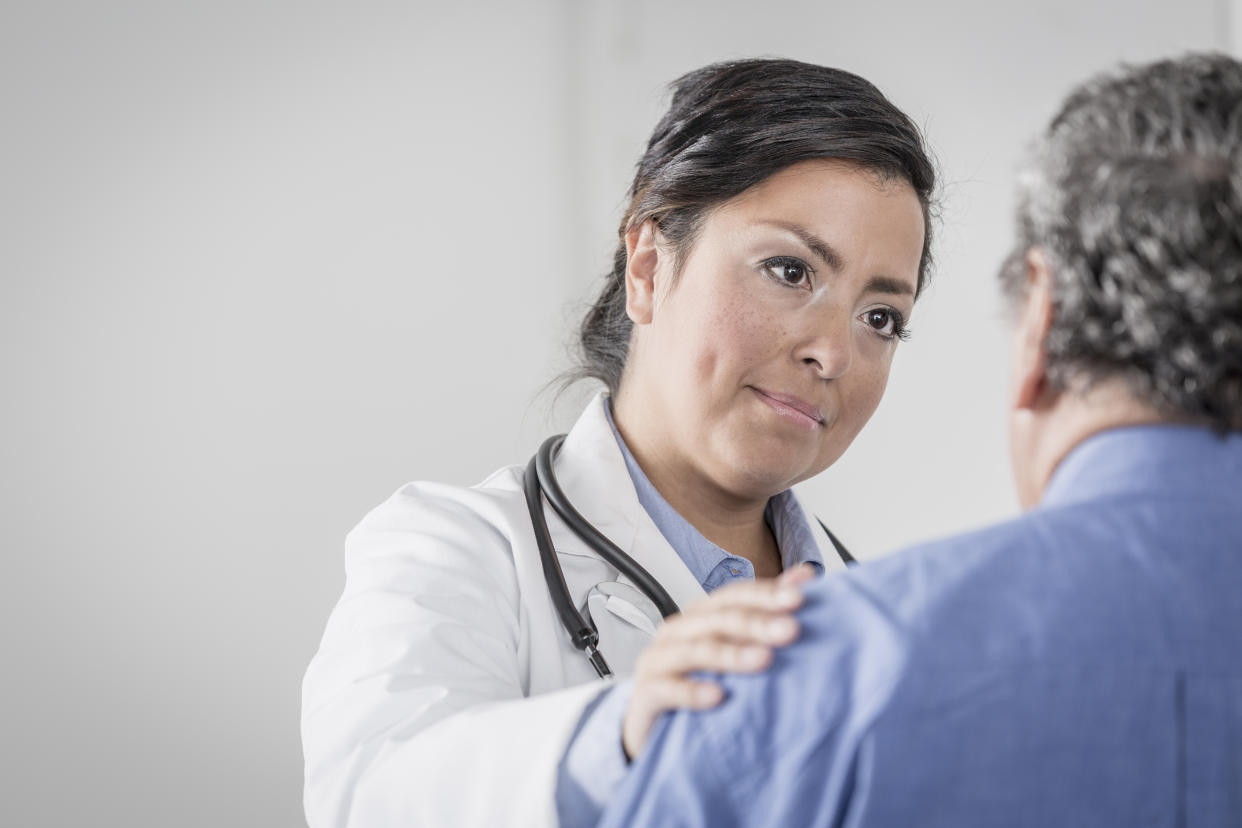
pixel 1082 664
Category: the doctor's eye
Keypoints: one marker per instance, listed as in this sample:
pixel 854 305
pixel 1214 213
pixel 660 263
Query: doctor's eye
pixel 788 271
pixel 887 322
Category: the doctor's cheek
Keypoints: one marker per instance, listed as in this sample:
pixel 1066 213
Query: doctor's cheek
pixel 732 630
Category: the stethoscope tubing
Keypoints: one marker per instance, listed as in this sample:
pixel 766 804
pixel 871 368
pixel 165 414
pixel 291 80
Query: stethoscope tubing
pixel 583 635
pixel 591 536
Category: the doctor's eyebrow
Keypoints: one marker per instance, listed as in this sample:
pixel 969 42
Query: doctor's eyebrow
pixel 818 246
pixel 830 257
pixel 886 284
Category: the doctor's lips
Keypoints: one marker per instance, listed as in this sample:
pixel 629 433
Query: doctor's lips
pixel 791 406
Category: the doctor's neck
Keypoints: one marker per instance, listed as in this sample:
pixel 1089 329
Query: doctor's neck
pixel 733 522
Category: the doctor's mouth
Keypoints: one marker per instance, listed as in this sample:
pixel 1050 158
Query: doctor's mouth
pixel 793 409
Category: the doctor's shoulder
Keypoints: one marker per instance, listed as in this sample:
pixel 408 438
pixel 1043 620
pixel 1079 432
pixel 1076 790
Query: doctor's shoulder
pixel 442 523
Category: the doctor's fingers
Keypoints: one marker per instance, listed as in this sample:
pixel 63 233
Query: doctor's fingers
pixel 779 594
pixel 658 695
pixel 739 625
pixel 676 659
pixel 670 693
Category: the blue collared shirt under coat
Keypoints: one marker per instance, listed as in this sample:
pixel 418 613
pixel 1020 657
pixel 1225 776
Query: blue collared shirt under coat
pixel 1078 666
pixel 595 762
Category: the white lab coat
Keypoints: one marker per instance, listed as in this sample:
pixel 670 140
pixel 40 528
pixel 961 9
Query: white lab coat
pixel 445 689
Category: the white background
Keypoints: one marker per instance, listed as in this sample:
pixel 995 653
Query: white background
pixel 260 263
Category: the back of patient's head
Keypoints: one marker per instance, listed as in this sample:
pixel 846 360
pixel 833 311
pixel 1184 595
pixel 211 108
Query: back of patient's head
pixel 1134 198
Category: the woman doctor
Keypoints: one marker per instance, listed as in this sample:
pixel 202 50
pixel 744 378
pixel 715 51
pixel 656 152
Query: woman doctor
pixel 777 236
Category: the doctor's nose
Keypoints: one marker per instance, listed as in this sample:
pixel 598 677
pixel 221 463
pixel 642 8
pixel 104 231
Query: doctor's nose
pixel 827 350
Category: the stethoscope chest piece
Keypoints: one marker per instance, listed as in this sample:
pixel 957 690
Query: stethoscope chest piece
pixel 624 619
pixel 624 602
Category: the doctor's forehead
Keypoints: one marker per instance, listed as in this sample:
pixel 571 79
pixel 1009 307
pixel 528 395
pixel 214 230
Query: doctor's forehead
pixel 837 212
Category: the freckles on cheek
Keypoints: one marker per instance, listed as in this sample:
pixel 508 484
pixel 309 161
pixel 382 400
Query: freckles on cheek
pixel 751 332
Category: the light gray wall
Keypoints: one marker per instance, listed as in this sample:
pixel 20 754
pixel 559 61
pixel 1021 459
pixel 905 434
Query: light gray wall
pixel 1231 13
pixel 262 262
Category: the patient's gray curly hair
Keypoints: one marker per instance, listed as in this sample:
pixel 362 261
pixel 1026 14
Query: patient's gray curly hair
pixel 1135 196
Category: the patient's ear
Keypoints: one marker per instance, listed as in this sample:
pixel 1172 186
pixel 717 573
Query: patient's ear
pixel 1030 381
pixel 642 264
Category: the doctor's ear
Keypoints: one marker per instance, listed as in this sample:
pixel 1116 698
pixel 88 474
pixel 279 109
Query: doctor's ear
pixel 643 251
pixel 1030 382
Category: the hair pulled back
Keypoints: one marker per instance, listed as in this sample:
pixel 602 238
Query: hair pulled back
pixel 728 127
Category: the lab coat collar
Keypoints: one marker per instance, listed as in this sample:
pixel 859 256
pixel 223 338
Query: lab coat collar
pixel 592 472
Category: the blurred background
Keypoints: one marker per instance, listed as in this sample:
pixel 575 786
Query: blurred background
pixel 263 262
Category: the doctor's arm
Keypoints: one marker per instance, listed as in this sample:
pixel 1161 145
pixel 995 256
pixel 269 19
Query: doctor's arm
pixel 414 710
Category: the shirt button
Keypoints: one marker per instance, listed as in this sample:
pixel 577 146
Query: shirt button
pixel 734 571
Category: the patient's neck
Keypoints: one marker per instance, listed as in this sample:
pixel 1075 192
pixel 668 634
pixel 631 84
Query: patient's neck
pixel 1041 438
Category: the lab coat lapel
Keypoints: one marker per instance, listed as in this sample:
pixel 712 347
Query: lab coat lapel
pixel 592 473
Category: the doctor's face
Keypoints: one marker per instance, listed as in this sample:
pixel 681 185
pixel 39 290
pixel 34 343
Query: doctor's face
pixel 756 366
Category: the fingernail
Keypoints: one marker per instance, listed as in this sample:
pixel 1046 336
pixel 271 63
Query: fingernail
pixel 708 693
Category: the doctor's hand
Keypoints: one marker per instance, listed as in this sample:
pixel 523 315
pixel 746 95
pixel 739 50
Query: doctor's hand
pixel 732 630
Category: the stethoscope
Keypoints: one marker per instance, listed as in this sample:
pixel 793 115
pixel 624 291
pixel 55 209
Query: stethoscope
pixel 539 480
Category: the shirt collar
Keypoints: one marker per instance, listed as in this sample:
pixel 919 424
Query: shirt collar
pixel 1149 458
pixel 794 534
pixel 783 513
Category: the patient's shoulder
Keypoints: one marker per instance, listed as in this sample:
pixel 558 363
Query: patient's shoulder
pixel 907 585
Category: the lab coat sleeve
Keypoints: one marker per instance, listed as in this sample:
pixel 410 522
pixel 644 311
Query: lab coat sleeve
pixel 414 711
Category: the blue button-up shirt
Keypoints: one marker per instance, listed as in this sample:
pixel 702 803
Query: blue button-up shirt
pixel 1078 666
pixel 595 763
